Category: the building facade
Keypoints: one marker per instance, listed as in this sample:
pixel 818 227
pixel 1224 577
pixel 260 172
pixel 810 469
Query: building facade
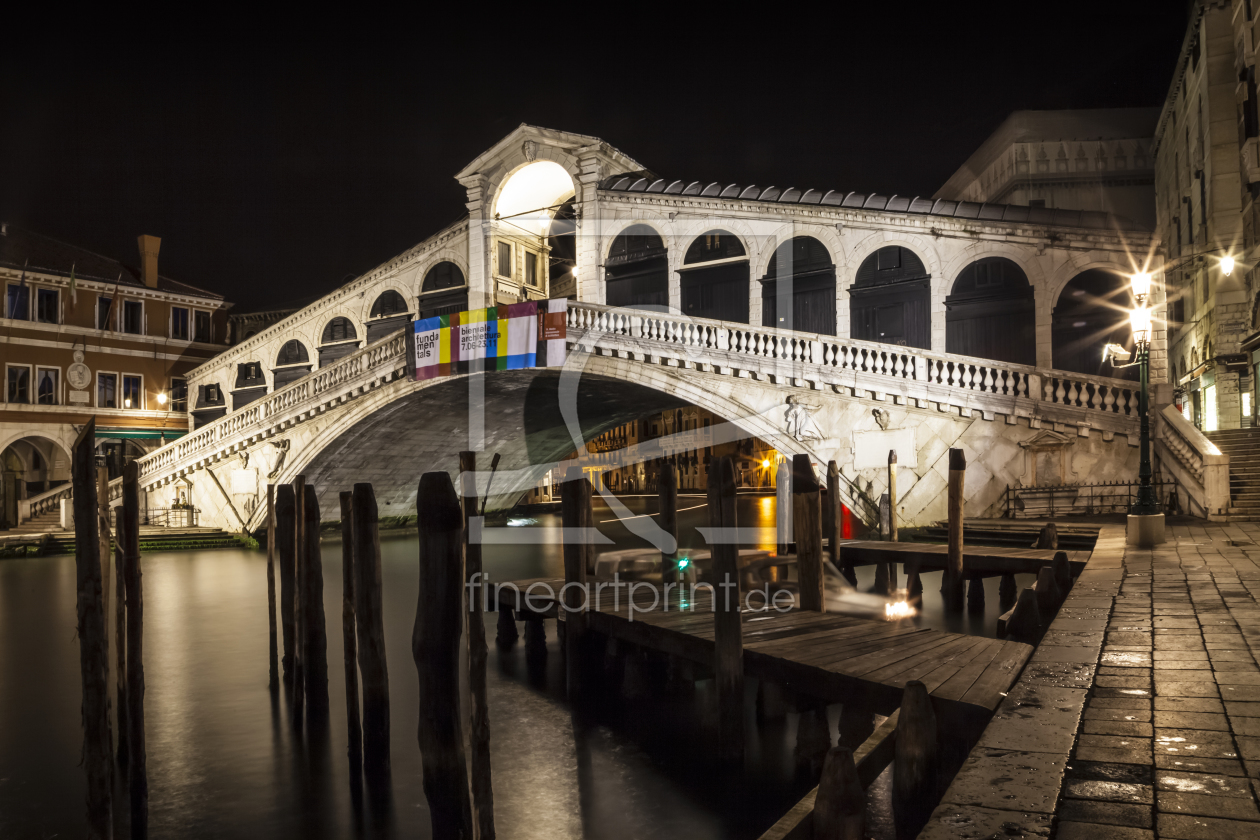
pixel 1205 214
pixel 88 336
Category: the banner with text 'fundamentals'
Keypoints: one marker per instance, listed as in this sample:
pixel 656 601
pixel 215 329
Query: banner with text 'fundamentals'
pixel 509 337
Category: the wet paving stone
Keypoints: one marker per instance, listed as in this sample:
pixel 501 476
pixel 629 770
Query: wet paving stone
pixel 1213 784
pixel 1246 726
pixel 1004 779
pixel 1197 742
pixel 1093 831
pixel 1120 702
pixel 1188 704
pixel 1106 813
pixel 1118 727
pixel 1199 764
pixel 1108 791
pixel 1185 827
pixel 1180 688
pixel 970 822
pixel 1206 805
pixel 1093 712
pixel 1191 720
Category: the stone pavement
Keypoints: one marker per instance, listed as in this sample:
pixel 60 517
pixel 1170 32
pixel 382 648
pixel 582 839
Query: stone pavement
pixel 1139 714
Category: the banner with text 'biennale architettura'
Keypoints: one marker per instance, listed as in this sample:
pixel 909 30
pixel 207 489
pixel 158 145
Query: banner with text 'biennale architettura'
pixel 511 337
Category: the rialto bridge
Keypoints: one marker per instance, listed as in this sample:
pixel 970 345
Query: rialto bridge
pixel 895 322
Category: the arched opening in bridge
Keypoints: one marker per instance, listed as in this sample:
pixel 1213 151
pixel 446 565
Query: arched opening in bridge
pixel 292 363
pixel 715 278
pixel 526 214
pixel 444 291
pixel 890 300
pixel 389 314
pixel 528 199
pixel 1091 312
pixel 798 291
pixel 250 384
pixel 29 466
pixel 991 313
pixel 115 453
pixel 636 271
pixel 338 340
pixel 562 252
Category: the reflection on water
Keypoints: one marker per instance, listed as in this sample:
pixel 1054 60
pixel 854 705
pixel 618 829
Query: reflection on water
pixel 224 760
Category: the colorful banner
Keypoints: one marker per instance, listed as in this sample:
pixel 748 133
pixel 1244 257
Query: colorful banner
pixel 509 337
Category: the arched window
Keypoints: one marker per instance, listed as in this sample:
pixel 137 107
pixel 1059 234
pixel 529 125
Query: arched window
pixel 389 314
pixel 339 339
pixel 443 291
pixel 715 278
pixel 990 313
pixel 1092 311
pixel 388 303
pixel 636 271
pixel 891 299
pixel 292 353
pixel 293 362
pixel 338 329
pixel 800 272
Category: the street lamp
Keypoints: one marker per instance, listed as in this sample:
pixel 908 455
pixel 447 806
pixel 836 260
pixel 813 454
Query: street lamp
pixel 1146 523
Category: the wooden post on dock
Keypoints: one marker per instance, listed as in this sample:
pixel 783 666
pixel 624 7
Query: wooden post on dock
pixel 1047 591
pixel 370 618
pixel 892 495
pixel 807 528
pixel 435 644
pixel 783 507
pixel 273 679
pixel 1024 624
pixel 836 532
pixel 1047 537
pixel 1007 592
pixel 285 515
pixel 575 513
pixel 1062 573
pixel 667 505
pixel 975 594
pixel 315 634
pixel 479 714
pixel 728 632
pixel 952 583
pixel 840 806
pixel 93 646
pixel 915 762
pixel 348 644
pixel 103 531
pixel 137 766
pixel 120 645
pixel 299 596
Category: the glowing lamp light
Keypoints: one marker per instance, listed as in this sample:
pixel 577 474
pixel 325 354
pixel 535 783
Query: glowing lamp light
pixel 1140 321
pixel 127 402
pixel 161 398
pixel 1141 284
pixel 1227 266
pixel 683 563
pixel 898 609
pixel 765 465
pixel 1116 353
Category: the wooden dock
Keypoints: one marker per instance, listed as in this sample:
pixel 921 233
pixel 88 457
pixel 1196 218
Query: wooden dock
pixel 986 559
pixel 830 657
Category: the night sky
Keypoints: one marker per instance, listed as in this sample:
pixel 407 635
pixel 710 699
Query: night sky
pixel 276 166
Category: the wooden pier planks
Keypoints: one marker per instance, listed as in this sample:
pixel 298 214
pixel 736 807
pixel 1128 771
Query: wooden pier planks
pixel 976 558
pixel 825 655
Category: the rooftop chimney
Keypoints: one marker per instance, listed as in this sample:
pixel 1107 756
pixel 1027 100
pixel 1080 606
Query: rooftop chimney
pixel 149 247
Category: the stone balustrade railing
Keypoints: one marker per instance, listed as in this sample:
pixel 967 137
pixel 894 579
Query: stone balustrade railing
pixel 775 350
pixel 1195 462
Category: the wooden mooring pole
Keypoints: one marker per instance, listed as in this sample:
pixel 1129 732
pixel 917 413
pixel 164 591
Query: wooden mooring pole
pixel 952 582
pixel 120 645
pixel 273 678
pixel 835 532
pixel 435 644
pixel 783 507
pixel 807 528
pixel 892 495
pixel 354 730
pixel 299 594
pixel 137 765
pixel 314 628
pixel 93 646
pixel 479 713
pixel 667 505
pixel 285 514
pixel 840 807
pixel 728 633
pixel 575 513
pixel 915 765
pixel 369 615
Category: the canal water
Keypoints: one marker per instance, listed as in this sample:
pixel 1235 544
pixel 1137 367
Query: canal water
pixel 224 760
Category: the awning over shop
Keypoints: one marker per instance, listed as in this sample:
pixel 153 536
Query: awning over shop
pixel 140 434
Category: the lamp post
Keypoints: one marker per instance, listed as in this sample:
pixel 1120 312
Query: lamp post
pixel 1146 522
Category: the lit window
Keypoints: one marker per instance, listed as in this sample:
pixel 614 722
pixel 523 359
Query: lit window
pixel 1209 413
pixel 133 394
pixel 1246 404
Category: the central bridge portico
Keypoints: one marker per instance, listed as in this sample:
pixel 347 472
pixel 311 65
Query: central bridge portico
pixel 338 406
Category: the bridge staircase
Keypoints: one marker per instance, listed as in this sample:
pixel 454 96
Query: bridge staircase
pixel 1243 448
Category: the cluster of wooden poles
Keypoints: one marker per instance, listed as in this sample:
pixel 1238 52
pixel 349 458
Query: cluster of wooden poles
pixel 92 549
